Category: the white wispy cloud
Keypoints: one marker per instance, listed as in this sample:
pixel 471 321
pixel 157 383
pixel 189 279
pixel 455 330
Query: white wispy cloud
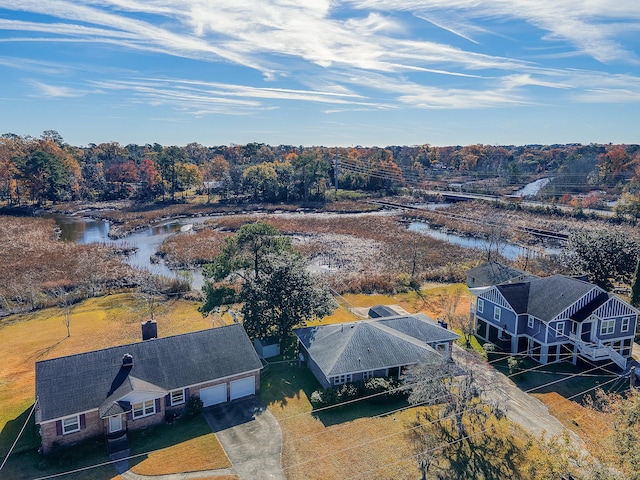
pixel 585 24
pixel 354 54
pixel 55 91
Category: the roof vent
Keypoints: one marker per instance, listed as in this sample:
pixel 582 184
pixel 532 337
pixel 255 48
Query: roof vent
pixel 127 360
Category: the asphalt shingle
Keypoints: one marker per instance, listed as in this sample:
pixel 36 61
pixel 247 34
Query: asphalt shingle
pixel 83 382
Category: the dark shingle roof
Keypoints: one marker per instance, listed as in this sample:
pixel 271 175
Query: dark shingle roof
pixel 545 298
pixel 421 327
pixel 83 382
pixel 494 273
pixel 372 344
pixel 380 311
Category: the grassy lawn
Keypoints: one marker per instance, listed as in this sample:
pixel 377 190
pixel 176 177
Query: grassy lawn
pixel 568 379
pixel 95 323
pixel 187 446
pixel 28 464
pixel 344 442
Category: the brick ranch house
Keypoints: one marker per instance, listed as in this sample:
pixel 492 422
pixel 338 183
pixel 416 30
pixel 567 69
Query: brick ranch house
pixel 555 318
pixel 112 391
pixel 378 347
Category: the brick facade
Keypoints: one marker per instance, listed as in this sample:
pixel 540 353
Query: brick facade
pixel 93 427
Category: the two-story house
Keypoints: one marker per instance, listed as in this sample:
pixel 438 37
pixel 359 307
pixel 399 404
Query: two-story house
pixel 554 319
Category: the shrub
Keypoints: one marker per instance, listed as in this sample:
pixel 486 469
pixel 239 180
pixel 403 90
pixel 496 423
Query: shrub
pixel 194 407
pixel 351 391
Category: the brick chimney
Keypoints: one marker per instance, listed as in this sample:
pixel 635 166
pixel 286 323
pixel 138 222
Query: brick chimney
pixel 127 360
pixel 149 330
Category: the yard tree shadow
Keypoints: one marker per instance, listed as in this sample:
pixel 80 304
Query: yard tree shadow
pixel 358 409
pixel 563 378
pixel 285 382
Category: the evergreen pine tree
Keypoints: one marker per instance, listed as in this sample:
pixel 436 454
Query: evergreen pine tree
pixel 635 286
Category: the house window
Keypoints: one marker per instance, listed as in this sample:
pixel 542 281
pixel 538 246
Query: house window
pixel 70 424
pixel 340 379
pixel 177 397
pixel 367 375
pixel 496 314
pixel 607 327
pixel 144 409
pixel 479 305
pixel 530 322
pixel 625 324
pixel 559 329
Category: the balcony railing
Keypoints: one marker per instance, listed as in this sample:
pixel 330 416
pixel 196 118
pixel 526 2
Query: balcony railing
pixel 598 352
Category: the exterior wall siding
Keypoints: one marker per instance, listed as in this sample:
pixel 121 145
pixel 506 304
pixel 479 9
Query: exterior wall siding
pixel 94 427
pixel 617 331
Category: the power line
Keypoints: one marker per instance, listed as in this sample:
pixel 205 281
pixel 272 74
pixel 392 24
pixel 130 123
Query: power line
pixel 439 447
pixel 19 434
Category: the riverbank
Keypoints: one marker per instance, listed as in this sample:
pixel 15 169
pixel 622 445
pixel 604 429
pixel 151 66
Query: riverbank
pixel 126 217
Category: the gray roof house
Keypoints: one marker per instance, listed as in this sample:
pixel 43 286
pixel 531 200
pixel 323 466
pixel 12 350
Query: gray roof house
pixel 555 318
pixel 351 352
pixel 114 390
pixel 494 273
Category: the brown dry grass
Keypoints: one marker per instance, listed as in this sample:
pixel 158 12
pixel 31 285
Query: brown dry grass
pixel 199 454
pixel 35 263
pixel 591 426
pixel 312 450
pixel 374 253
pixel 187 250
pixel 472 218
pixel 96 323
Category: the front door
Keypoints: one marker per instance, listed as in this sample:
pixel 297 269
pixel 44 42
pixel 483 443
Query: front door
pixel 586 331
pixel 115 423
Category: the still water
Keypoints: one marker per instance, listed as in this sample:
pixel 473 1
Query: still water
pixel 146 242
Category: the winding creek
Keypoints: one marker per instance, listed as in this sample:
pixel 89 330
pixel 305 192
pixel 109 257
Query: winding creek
pixel 146 242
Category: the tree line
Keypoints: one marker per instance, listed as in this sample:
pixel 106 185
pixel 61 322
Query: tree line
pixel 47 169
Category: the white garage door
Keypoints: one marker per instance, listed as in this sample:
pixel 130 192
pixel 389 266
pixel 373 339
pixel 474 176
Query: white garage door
pixel 213 395
pixel 242 388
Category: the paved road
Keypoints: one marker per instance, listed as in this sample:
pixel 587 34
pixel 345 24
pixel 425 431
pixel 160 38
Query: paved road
pixel 521 408
pixel 251 436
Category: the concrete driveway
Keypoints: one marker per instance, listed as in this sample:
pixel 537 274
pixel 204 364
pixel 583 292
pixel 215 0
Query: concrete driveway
pixel 250 435
pixel 521 408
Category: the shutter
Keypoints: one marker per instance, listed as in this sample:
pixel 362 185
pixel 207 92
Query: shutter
pixel 186 394
pixel 158 407
pixel 83 421
pixel 58 427
pixel 167 400
pixel 130 415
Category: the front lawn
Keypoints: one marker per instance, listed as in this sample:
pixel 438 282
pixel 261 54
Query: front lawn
pixel 95 323
pixel 186 446
pixel 360 440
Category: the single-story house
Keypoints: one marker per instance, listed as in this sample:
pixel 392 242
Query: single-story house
pixel 495 273
pixel 114 390
pixel 379 347
pixel 555 318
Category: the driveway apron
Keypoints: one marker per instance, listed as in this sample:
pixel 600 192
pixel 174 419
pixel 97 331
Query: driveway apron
pixel 251 437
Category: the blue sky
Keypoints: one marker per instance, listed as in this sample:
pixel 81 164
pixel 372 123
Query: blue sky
pixel 320 72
